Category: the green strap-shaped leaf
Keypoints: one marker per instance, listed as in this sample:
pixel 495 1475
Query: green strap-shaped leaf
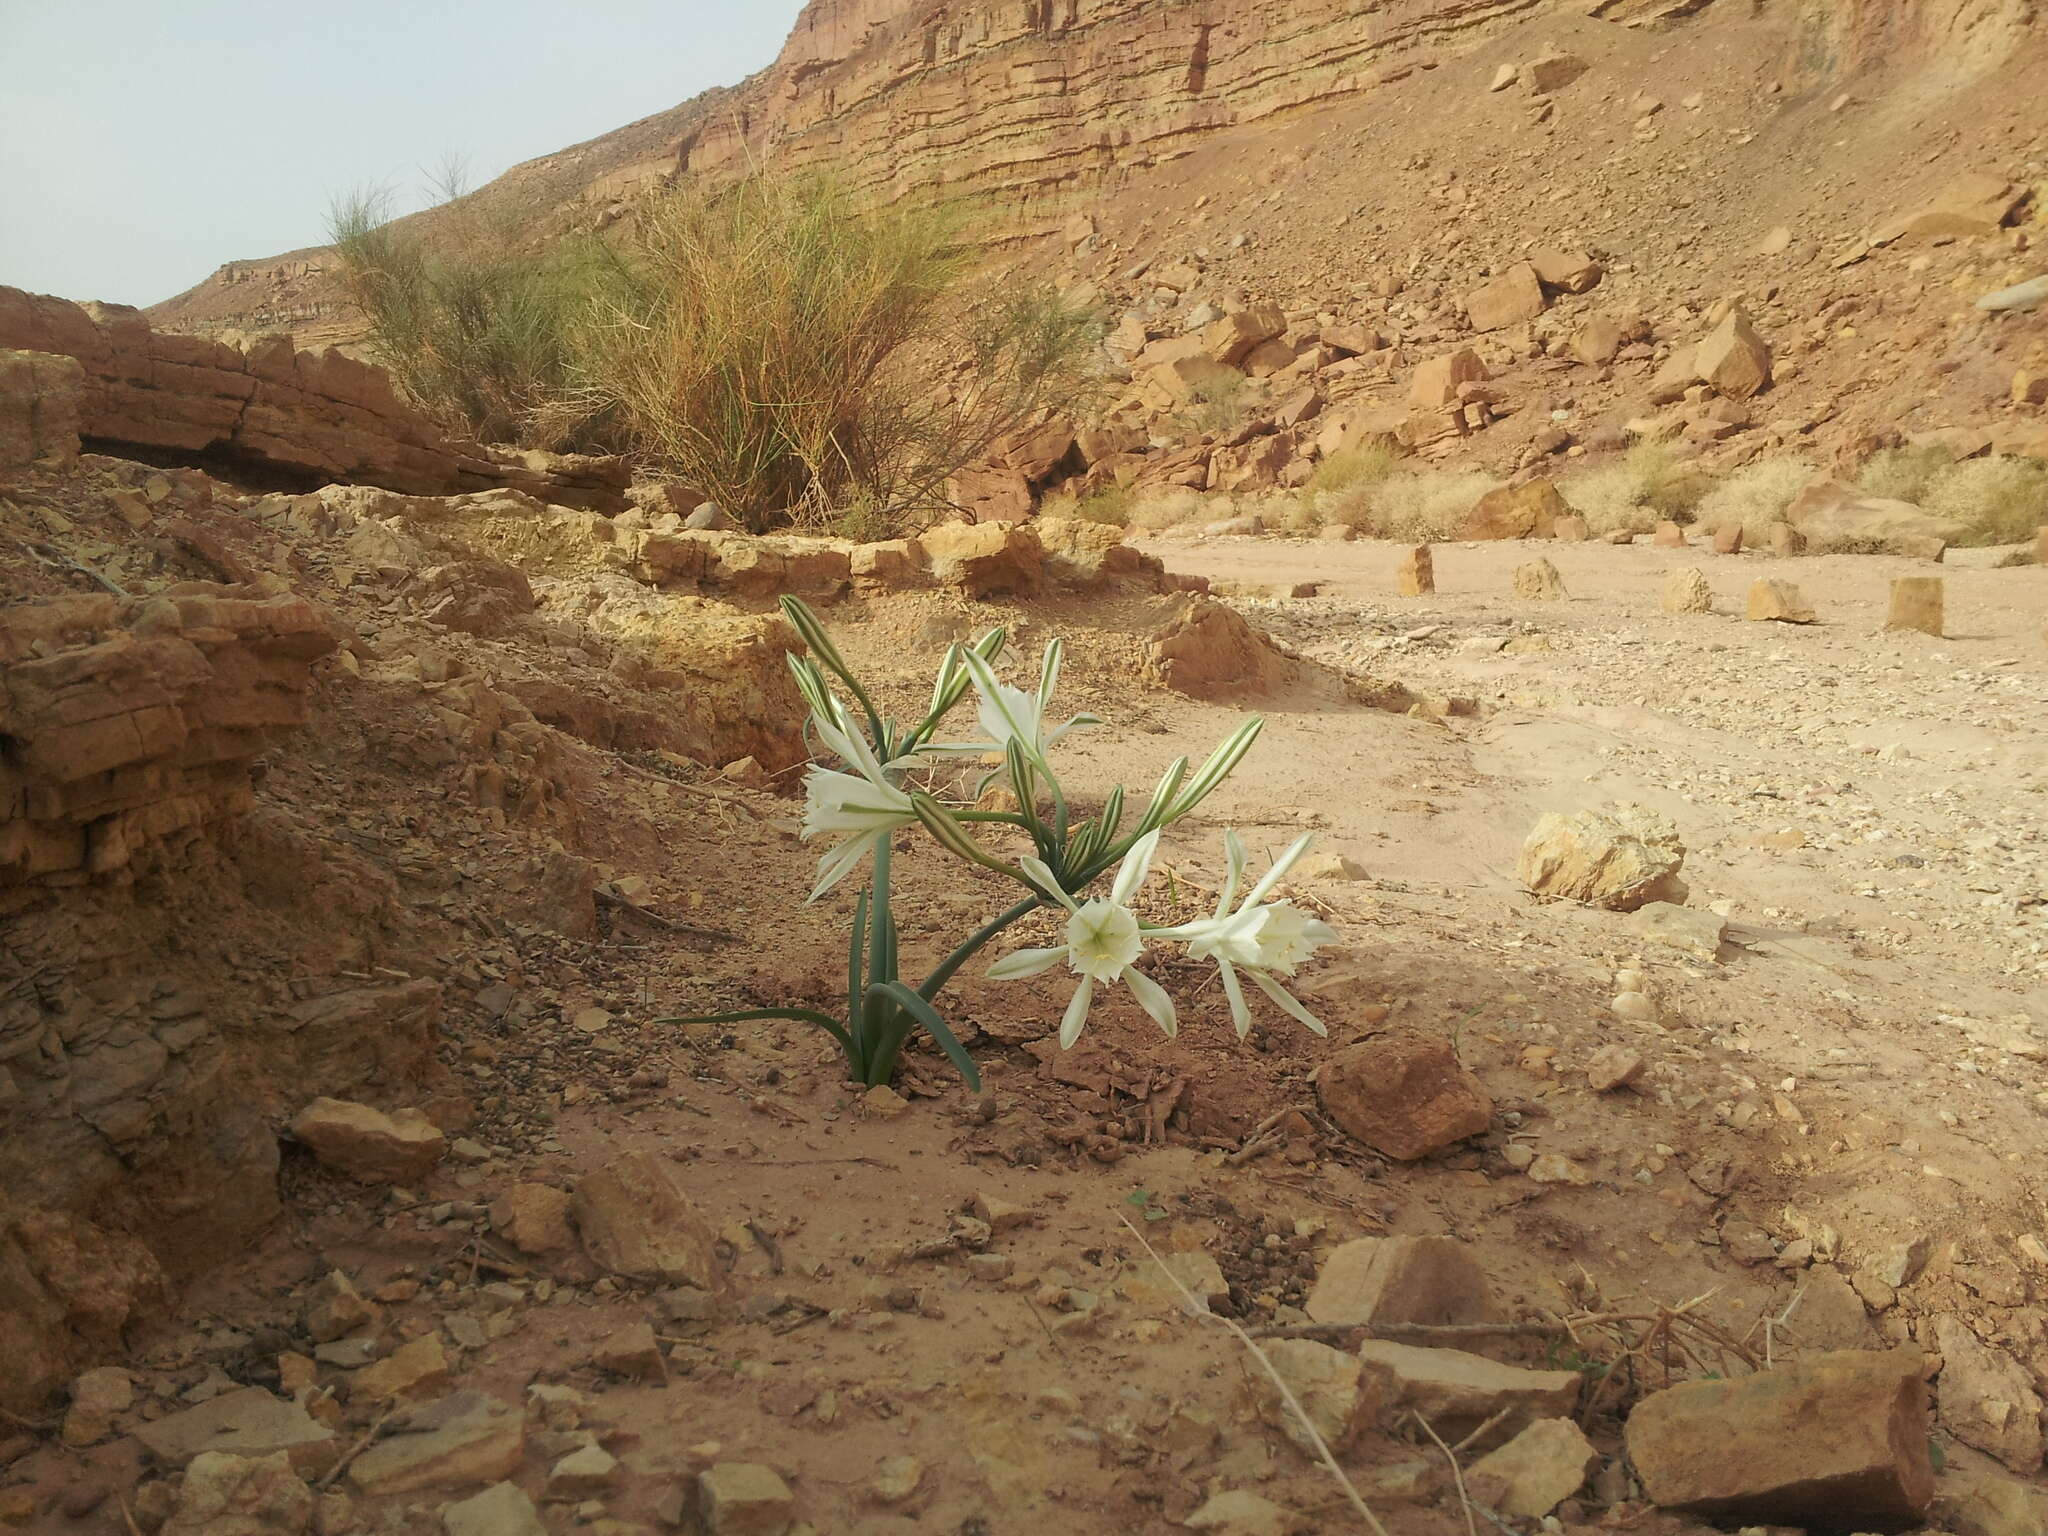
pixel 942 1032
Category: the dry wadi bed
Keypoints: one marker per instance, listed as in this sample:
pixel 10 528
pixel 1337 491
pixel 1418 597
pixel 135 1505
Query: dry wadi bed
pixel 926 1309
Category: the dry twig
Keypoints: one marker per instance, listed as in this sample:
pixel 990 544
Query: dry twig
pixel 1199 1311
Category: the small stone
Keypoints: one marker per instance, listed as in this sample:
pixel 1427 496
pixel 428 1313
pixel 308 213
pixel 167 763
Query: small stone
pixel 1916 605
pixel 534 1218
pixel 1733 358
pixel 1686 591
pixel 1457 1392
pixel 990 1266
pixel 1613 1066
pixel 1535 1472
pixel 1416 573
pixel 1503 77
pixel 744 1498
pixel 225 1495
pixel 1777 601
pixel 417 1369
pixel 633 1351
pixel 581 1474
pixel 1687 928
pixel 502 1509
pixel 1539 581
pixel 97 1397
pixel 1669 535
pixel 335 1308
pixel 1405 1096
pixel 1637 1006
pixel 247 1422
pixel 1241 1513
pixel 1556 1168
pixel 1618 857
pixel 1402 1280
pixel 369 1145
pixel 1000 1214
pixel 1986 1398
pixel 1328 1385
pixel 882 1102
pixel 896 1480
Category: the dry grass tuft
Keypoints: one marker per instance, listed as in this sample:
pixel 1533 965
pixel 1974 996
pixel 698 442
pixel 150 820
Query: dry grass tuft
pixel 1647 485
pixel 1756 495
pixel 1999 500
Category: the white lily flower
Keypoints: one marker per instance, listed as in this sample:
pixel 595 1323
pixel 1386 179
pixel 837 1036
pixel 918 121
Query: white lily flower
pixel 1008 714
pixel 1104 941
pixel 1260 938
pixel 862 808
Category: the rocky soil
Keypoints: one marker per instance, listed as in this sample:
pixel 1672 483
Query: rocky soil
pixel 514 1255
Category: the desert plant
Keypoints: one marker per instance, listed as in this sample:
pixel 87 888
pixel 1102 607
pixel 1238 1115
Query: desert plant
pixel 875 796
pixel 1358 468
pixel 1905 473
pixel 479 327
pixel 1215 406
pixel 1423 504
pixel 1111 504
pixel 1756 495
pixel 1647 484
pixel 780 342
pixel 1999 500
pixel 1168 508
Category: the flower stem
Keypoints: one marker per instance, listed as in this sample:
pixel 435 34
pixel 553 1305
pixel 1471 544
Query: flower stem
pixel 943 972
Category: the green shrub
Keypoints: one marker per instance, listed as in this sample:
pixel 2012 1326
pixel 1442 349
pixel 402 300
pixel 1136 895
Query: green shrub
pixel 778 344
pixel 478 329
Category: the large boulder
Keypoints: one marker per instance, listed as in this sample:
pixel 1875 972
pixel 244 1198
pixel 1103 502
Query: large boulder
pixel 1733 358
pixel 1526 511
pixel 1618 857
pixel 1838 1441
pixel 984 559
pixel 1514 298
pixel 1079 553
pixel 42 400
pixel 1836 518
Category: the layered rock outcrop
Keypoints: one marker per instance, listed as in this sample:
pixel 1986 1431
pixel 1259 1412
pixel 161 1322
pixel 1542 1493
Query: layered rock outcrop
pixel 132 722
pixel 317 414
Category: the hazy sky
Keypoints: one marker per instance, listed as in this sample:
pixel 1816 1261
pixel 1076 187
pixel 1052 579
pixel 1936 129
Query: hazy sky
pixel 145 142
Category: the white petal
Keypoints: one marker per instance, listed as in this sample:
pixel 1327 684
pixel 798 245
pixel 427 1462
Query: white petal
pixel 839 862
pixel 1040 876
pixel 1153 999
pixel 1280 867
pixel 1049 671
pixel 1240 1015
pixel 1077 1013
pixel 1020 963
pixel 1286 1000
pixel 1136 866
pixel 1233 853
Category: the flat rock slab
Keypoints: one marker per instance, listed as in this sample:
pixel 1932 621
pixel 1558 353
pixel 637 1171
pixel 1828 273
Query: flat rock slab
pixel 1457 1392
pixel 1402 1280
pixel 1839 1441
pixel 464 1438
pixel 250 1423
